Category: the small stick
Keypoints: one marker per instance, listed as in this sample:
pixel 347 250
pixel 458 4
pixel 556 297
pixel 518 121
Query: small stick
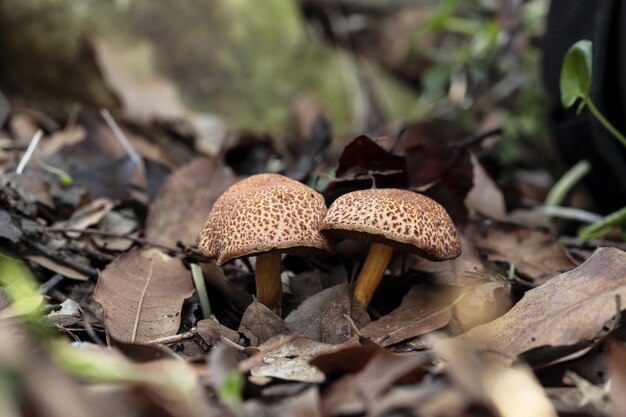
pixel 136 239
pixel 121 137
pixel 29 151
pixel 168 340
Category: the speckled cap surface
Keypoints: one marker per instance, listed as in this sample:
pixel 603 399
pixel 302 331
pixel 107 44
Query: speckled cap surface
pixel 398 218
pixel 264 213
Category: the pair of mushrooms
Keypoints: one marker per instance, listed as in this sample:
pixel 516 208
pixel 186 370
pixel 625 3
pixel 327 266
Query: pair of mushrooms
pixel 268 214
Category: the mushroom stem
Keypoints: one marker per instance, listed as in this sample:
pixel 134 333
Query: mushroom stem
pixel 269 289
pixel 372 272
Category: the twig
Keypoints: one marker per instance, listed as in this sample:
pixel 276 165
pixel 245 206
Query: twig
pixel 136 239
pixel 478 137
pixel 168 340
pixel 51 283
pixel 61 258
pixel 29 151
pixel 352 324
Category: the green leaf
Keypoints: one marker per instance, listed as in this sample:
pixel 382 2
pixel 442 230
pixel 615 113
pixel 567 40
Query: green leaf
pixel 576 73
pixel 604 225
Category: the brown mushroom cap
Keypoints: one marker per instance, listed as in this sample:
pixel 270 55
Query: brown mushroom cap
pixel 398 218
pixel 262 214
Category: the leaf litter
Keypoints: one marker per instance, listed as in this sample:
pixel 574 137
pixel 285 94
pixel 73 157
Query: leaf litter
pixel 515 326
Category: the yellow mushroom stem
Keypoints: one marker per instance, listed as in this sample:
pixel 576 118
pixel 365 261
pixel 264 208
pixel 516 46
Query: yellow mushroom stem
pixel 372 272
pixel 269 289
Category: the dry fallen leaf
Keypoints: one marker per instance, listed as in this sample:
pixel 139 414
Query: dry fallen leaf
pixel 351 393
pixel 510 392
pixel 568 309
pixel 142 293
pixel 406 324
pixel 535 253
pixel 180 209
pixel 287 357
pixel 212 331
pixel 485 197
pixel 86 216
pixel 260 324
pixel 321 317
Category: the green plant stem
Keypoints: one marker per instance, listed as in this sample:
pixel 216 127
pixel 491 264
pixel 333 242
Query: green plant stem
pixel 596 113
pixel 560 189
pixel 603 226
pixel 198 280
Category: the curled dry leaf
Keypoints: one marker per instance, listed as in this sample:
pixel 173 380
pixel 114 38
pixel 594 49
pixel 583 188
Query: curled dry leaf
pixel 87 215
pixel 142 293
pixel 260 324
pixel 485 197
pixel 181 208
pixel 568 309
pixel 287 357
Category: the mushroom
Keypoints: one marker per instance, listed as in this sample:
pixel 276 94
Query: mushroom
pixel 391 218
pixel 264 215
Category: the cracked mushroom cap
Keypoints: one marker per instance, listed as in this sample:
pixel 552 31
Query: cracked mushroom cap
pixel 398 218
pixel 261 214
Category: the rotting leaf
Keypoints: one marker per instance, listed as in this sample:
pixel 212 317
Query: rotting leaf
pixel 142 293
pixel 260 324
pixel 570 308
pixel 535 253
pixel 180 209
pixel 406 324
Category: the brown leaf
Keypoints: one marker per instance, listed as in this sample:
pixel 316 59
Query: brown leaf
pixel 535 253
pixel 287 357
pixel 485 197
pixel 351 393
pixel 180 209
pixel 568 309
pixel 123 223
pixel 142 293
pixel 212 331
pixel 260 324
pixel 86 216
pixel 509 392
pixel 321 317
pixel 406 324
pixel 51 265
pixel 363 155
pixel 338 322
